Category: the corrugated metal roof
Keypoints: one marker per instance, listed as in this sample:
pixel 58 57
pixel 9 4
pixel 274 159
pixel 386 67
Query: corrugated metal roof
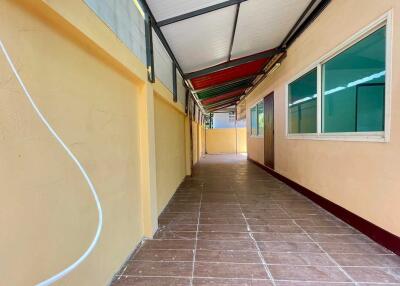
pixel 219 77
pixel 208 36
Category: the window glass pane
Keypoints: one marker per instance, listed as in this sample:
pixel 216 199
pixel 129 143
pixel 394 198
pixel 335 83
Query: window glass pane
pixel 302 99
pixel 354 87
pixel 253 121
pixel 260 112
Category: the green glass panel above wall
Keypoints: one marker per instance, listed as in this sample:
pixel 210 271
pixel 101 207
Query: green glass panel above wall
pixel 354 87
pixel 223 89
pixel 302 100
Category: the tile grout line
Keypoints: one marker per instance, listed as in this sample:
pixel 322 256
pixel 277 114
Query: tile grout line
pixel 269 274
pixel 323 251
pixel 197 234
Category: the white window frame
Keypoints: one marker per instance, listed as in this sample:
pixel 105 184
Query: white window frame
pixel 255 105
pixel 380 136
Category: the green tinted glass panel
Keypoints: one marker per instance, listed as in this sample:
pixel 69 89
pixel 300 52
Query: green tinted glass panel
pixel 253 121
pixel 260 118
pixel 302 100
pixel 354 87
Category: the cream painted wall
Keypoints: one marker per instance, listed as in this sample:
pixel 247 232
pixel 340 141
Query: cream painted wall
pixel 170 149
pixel 360 176
pixel 225 140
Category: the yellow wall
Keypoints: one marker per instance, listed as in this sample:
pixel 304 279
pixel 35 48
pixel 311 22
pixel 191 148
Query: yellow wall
pixel 95 93
pixel 360 176
pixel 226 140
pixel 170 149
pixel 195 142
pixel 201 150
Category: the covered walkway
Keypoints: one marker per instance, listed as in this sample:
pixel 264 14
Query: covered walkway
pixel 231 223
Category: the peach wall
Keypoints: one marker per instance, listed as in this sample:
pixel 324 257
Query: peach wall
pixel 362 177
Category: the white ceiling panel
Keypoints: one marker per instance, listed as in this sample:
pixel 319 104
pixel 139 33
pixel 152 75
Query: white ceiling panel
pixel 201 41
pixel 165 9
pixel 263 24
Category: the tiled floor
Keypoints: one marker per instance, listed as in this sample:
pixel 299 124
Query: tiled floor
pixel 233 224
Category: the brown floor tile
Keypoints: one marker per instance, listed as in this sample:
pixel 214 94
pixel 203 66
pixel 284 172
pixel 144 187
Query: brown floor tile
pixel 227 256
pixel 229 270
pixel 308 273
pixel 354 248
pixel 276 228
pixel 150 268
pixel 276 236
pixel 305 259
pixel 222 221
pixel 389 260
pixel 151 281
pixel 223 227
pixel 241 245
pixel 330 230
pixel 370 274
pixel 224 236
pixel 303 283
pixel 341 238
pixel 230 282
pixel 317 221
pixel 255 221
pixel 164 255
pixel 179 227
pixel 165 234
pixel 168 244
pixel 273 246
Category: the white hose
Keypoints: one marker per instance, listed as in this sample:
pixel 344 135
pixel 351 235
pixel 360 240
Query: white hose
pixel 67 270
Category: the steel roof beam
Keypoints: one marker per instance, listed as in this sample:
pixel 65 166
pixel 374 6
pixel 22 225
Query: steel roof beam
pixel 233 31
pixel 199 12
pixel 234 63
pixel 306 18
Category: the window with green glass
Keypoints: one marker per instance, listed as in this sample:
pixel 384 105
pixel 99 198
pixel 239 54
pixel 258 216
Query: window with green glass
pixel 302 104
pixel 353 87
pixel 253 122
pixel 260 118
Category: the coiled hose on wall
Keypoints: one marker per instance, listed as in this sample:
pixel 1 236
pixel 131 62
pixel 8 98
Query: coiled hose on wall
pixel 71 267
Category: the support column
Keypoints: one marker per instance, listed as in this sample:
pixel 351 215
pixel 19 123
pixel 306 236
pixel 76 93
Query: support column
pixel 148 160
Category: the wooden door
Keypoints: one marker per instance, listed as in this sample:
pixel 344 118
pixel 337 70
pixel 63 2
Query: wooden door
pixel 269 130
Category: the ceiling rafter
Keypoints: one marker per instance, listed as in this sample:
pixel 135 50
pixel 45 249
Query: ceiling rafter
pixel 233 31
pixel 198 12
